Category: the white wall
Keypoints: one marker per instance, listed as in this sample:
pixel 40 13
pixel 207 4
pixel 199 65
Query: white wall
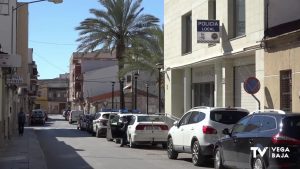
pixel 5 29
pixel 283 11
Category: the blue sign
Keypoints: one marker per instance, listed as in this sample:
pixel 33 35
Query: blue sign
pixel 251 85
pixel 208 31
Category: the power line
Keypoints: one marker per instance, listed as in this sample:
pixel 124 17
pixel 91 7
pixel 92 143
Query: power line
pixel 47 61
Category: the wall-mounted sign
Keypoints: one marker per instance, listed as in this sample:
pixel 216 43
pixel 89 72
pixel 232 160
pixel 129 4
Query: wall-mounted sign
pixel 208 31
pixel 14 80
pixel 7 60
pixel 4 7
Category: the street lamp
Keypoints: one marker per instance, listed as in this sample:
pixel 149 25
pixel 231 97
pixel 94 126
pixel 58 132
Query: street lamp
pixel 122 99
pixel 136 75
pixel 147 105
pixel 159 66
pixel 16 8
pixel 112 95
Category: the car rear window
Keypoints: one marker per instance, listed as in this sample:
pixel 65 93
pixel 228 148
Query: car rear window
pixel 150 119
pixel 105 116
pixel 291 126
pixel 227 116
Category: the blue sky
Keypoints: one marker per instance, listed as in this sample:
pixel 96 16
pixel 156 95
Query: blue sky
pixel 52 32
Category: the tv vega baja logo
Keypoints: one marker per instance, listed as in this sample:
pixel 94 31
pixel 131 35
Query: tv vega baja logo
pixel 274 152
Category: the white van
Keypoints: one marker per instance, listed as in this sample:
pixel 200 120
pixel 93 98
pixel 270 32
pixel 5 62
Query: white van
pixel 74 115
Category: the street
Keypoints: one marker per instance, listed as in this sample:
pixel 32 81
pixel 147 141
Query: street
pixel 65 147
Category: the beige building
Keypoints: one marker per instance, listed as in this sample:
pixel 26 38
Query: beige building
pixel 282 61
pixel 202 74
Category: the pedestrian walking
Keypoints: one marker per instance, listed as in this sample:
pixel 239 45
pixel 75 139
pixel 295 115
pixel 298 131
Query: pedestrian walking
pixel 21 121
pixel 124 131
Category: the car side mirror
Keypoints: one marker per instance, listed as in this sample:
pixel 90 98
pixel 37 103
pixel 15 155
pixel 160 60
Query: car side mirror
pixel 176 124
pixel 226 132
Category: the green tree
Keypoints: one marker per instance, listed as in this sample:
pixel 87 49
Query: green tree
pixel 115 27
pixel 144 55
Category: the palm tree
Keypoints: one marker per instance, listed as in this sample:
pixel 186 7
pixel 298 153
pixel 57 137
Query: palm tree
pixel 144 55
pixel 116 28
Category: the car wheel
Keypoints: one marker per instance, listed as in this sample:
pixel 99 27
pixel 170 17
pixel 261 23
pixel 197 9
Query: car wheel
pixel 131 143
pixel 172 154
pixel 197 157
pixel 258 163
pixel 218 160
pixel 97 133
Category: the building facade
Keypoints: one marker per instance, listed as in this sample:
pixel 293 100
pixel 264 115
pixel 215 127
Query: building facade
pixel 202 74
pixel 52 95
pixel 282 61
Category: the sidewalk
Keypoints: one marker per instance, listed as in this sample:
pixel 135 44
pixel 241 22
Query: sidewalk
pixel 23 152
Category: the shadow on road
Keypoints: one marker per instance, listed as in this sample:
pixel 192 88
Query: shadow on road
pixel 58 154
pixel 209 163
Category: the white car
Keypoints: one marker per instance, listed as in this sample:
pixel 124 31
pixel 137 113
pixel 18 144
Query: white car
pixel 147 129
pixel 100 123
pixel 199 129
pixel 74 115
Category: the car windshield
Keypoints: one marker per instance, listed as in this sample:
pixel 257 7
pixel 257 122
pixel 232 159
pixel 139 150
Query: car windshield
pixel 150 119
pixel 291 126
pixel 227 116
pixel 37 113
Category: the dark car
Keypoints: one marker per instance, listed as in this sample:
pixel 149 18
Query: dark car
pixel 89 123
pixel 37 116
pixel 261 140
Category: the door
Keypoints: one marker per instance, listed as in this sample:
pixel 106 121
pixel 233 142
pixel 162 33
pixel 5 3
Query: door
pixel 178 133
pixel 189 131
pixel 246 140
pixel 230 154
pixel 115 127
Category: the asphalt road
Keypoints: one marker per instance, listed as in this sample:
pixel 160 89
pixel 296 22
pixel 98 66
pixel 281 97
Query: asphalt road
pixel 65 147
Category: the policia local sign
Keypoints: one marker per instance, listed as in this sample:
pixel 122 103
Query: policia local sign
pixel 208 31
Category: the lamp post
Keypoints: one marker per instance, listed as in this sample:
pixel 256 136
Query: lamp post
pixel 147 105
pixel 16 8
pixel 159 66
pixel 136 74
pixel 112 94
pixel 122 99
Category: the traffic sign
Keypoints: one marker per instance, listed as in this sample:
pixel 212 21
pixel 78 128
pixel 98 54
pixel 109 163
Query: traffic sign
pixel 252 85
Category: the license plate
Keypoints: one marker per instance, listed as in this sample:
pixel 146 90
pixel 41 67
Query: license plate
pixel 152 128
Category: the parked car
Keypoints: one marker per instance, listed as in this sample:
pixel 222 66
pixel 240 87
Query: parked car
pixel 82 122
pixel 100 123
pixel 264 139
pixel 89 123
pixel 199 129
pixel 147 129
pixel 74 115
pixel 37 116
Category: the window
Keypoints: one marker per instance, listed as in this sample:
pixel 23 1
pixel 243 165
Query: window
pixel 204 94
pixel 132 120
pixel 212 10
pixel 186 33
pixel 227 116
pixel 196 117
pixel 128 78
pixel 240 126
pixel 237 20
pixel 254 124
pixel 285 90
pixel 268 123
pixel 185 119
